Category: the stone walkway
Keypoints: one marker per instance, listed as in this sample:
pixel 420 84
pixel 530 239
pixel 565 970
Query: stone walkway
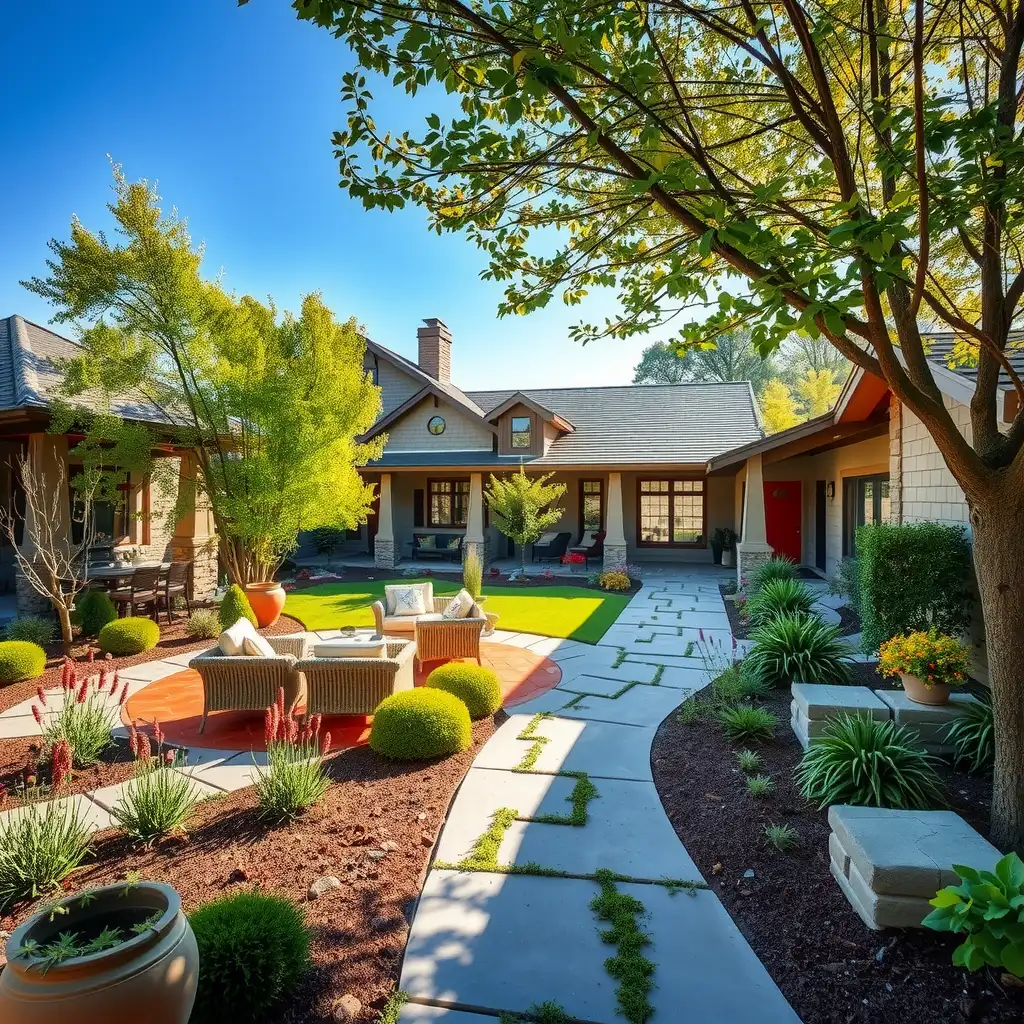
pixel 496 930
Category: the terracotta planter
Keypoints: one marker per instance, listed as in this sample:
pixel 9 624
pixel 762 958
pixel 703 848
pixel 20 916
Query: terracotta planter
pixel 921 694
pixel 153 974
pixel 267 600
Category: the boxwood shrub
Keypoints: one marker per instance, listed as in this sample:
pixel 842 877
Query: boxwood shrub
pixel 132 635
pixel 913 576
pixel 234 606
pixel 421 723
pixel 20 659
pixel 477 687
pixel 93 610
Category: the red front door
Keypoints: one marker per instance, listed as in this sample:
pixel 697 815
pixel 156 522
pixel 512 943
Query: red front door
pixel 783 510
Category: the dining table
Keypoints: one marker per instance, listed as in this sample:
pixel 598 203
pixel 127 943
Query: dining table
pixel 120 571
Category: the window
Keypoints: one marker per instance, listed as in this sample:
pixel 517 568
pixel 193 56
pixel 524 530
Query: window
pixel 591 505
pixel 109 518
pixel 522 431
pixel 671 513
pixel 449 502
pixel 865 500
pixel 436 424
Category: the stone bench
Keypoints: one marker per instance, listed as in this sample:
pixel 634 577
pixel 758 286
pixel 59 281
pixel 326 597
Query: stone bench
pixel 930 722
pixel 889 863
pixel 815 703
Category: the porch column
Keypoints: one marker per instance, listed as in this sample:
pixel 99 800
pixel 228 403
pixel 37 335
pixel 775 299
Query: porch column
pixel 384 544
pixel 615 552
pixel 475 542
pixel 195 535
pixel 753 548
pixel 50 522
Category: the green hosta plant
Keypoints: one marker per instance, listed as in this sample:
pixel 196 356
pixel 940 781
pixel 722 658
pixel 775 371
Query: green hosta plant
pixel 798 649
pixel 972 737
pixel 777 598
pixel 746 724
pixel 867 762
pixel 988 909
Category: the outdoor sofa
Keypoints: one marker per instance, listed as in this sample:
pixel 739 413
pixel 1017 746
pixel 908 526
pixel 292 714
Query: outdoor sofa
pixel 446 546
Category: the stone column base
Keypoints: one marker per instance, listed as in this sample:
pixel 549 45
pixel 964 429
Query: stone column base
pixel 749 555
pixel 480 548
pixel 384 554
pixel 29 600
pixel 202 553
pixel 614 554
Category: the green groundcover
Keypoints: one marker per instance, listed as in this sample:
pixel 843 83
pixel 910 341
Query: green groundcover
pixel 574 613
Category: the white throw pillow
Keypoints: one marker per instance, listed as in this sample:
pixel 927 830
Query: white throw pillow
pixel 257 647
pixel 231 640
pixel 545 539
pixel 407 600
pixel 459 606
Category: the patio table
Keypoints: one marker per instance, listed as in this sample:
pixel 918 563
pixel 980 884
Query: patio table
pixel 111 574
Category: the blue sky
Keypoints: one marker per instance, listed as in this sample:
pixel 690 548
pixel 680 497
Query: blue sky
pixel 231 111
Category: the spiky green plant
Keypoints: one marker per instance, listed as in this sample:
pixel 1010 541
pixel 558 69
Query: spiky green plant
pixel 797 649
pixel 749 761
pixel 972 737
pixel 157 803
pixel 746 724
pixel 781 837
pixel 863 761
pixel 689 711
pixel 779 597
pixel 759 786
pixel 778 567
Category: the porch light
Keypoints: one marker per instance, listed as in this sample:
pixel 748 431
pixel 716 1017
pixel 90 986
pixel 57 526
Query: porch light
pixel 830 490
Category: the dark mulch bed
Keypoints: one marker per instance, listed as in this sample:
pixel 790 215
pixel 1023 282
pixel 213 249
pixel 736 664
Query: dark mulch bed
pixel 173 640
pixel 358 930
pixel 832 969
pixel 740 625
pixel 849 621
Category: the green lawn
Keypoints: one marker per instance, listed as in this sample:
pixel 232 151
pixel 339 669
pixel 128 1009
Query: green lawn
pixel 574 613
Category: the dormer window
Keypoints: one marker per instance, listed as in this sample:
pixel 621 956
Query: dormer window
pixel 522 432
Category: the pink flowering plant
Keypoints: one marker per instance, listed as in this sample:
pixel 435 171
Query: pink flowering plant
pixel 719 655
pixel 89 710
pixel 295 777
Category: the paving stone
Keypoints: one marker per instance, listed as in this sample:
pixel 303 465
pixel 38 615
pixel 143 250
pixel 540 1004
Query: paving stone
pixel 664 646
pixel 703 963
pixel 637 656
pixel 420 1013
pixel 705 620
pixel 601 749
pixel 545 645
pixel 151 670
pixel 594 684
pixel 826 614
pixel 95 816
pixel 196 756
pixel 551 701
pixel 622 673
pixel 14 726
pixel 226 776
pixel 509 941
pixel 929 721
pixel 642 705
pixel 627 831
pixel 182 660
pixel 684 678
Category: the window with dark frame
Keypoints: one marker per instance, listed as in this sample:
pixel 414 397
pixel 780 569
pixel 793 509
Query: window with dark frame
pixel 865 500
pixel 522 431
pixel 671 513
pixel 449 502
pixel 591 505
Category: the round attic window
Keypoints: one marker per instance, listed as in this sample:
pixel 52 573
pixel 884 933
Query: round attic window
pixel 436 424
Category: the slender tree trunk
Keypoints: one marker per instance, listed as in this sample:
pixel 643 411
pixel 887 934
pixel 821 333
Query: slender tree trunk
pixel 998 523
pixel 64 617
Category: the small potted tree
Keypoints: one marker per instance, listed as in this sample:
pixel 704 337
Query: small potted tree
pixel 929 664
pixel 723 541
pixel 521 507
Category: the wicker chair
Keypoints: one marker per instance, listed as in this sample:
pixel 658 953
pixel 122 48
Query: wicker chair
pixel 406 624
pixel 177 583
pixel 443 639
pixel 355 686
pixel 244 683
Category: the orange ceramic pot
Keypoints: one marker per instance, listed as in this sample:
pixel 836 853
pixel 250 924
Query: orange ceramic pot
pixel 916 690
pixel 267 600
pixel 152 976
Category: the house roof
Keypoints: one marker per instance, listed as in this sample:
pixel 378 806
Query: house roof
pixel 450 390
pixel 30 377
pixel 685 424
pixel 958 353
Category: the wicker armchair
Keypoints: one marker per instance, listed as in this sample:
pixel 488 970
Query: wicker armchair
pixel 244 683
pixel 442 639
pixel 355 686
pixel 386 624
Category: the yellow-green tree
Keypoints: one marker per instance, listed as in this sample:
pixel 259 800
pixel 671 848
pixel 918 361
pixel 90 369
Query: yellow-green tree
pixel 818 391
pixel 778 409
pixel 523 507
pixel 271 405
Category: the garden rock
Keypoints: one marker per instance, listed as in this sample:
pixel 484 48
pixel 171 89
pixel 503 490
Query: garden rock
pixel 324 884
pixel 814 704
pixel 929 721
pixel 890 863
pixel 347 1008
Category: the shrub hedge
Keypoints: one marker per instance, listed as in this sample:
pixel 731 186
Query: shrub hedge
pixel 421 723
pixel 477 687
pixel 36 629
pixel 132 635
pixel 20 659
pixel 93 610
pixel 913 576
pixel 234 606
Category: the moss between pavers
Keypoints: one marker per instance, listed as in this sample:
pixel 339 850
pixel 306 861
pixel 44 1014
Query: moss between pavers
pixel 544 1013
pixel 393 1007
pixel 529 759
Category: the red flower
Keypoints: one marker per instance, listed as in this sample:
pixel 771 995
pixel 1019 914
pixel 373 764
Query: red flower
pixel 325 744
pixel 143 750
pixel 60 764
pixel 314 725
pixel 270 724
pixel 41 694
pixel 124 695
pixel 90 654
pixel 37 715
pixel 83 692
pixel 133 739
pixel 158 735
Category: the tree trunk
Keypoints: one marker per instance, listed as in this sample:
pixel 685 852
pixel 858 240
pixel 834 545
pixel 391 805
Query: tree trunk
pixel 998 523
pixel 64 616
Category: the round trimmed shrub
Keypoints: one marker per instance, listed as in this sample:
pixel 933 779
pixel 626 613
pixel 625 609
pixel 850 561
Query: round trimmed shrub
pixel 234 606
pixel 417 724
pixel 133 635
pixel 20 660
pixel 477 687
pixel 253 951
pixel 93 610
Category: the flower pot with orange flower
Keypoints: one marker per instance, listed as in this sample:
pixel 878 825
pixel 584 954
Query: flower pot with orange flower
pixel 929 664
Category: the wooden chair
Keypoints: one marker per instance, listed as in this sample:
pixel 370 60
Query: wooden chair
pixel 144 590
pixel 178 583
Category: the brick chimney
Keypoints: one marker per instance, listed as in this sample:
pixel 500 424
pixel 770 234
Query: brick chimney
pixel 435 355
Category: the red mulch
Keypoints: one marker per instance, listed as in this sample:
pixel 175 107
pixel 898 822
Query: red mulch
pixel 832 969
pixel 359 930
pixel 173 640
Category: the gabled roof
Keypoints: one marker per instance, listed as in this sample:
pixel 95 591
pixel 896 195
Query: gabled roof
pixel 518 398
pixel 432 388
pixel 450 391
pixel 959 353
pixel 30 378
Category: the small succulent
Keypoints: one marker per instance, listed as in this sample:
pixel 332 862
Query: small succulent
pixel 749 761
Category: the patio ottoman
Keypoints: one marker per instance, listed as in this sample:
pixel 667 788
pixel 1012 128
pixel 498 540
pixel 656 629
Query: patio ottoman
pixel 929 721
pixel 814 704
pixel 361 647
pixel 889 863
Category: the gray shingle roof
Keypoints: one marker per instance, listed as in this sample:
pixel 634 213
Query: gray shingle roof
pixel 959 354
pixel 30 379
pixel 458 396
pixel 686 424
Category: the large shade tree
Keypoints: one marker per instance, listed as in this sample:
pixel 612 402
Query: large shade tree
pixel 272 407
pixel 730 357
pixel 854 168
